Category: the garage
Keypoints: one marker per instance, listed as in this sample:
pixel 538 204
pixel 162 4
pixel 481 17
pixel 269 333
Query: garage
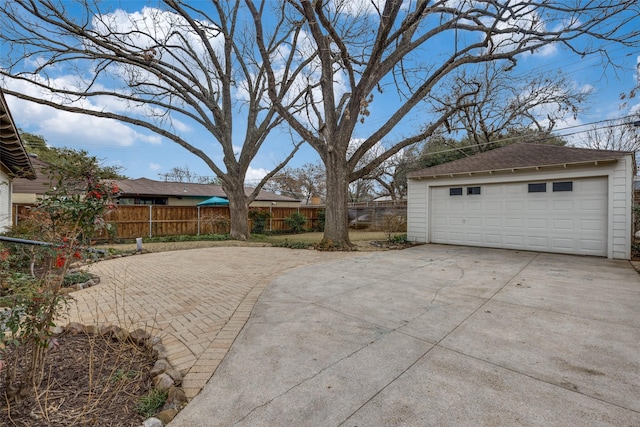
pixel 527 197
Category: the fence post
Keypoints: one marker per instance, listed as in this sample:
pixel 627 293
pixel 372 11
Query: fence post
pixel 150 220
pixel 198 219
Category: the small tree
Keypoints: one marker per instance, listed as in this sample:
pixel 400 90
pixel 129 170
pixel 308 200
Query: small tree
pixel 71 213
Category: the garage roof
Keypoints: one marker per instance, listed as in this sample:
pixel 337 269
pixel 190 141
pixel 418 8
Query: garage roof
pixel 12 152
pixel 520 156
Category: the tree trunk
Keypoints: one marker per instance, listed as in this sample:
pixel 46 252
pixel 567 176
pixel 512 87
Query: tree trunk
pixel 238 211
pixel 336 230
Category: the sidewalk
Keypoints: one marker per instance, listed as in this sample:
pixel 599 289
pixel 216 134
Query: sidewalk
pixel 197 300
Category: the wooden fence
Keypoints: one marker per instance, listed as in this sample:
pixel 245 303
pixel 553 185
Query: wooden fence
pixel 131 221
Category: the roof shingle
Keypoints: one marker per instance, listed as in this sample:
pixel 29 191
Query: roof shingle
pixel 519 156
pixel 149 187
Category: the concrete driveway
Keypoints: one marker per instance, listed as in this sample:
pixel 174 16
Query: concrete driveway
pixel 433 336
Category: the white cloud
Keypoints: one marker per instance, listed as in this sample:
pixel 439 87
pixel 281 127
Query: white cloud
pixel 255 175
pixel 154 166
pixel 73 129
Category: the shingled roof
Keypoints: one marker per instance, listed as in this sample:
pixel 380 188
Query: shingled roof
pixel 149 187
pixel 12 153
pixel 519 156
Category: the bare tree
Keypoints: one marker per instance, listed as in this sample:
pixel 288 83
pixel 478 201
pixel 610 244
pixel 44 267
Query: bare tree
pixel 180 64
pixel 302 183
pixel 621 135
pixel 184 174
pixel 409 48
pixel 502 101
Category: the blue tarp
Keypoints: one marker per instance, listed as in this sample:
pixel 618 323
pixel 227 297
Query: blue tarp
pixel 214 201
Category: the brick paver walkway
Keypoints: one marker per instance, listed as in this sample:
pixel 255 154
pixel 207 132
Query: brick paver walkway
pixel 196 300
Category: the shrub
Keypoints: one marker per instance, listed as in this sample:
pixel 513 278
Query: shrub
pixel 293 245
pixel 296 222
pixel 259 219
pixel 321 219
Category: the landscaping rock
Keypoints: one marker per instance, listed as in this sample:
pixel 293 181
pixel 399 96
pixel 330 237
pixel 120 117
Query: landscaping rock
pixel 140 337
pixel 175 375
pixel 167 415
pixel 176 398
pixel 92 329
pixel 152 422
pixel 163 382
pixel 74 328
pixel 114 332
pixel 159 367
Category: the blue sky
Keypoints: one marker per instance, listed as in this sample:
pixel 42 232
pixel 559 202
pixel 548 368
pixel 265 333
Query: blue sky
pixel 142 154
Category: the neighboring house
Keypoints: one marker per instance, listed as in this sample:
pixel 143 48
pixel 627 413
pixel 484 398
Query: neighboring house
pixel 28 192
pixel 143 191
pixel 14 162
pixel 529 197
pixel 636 191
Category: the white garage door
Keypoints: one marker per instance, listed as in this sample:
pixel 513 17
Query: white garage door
pixel 568 216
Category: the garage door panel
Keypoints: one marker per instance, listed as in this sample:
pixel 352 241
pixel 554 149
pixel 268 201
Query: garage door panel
pixel 474 222
pixel 474 237
pixel 560 225
pixel 515 206
pixel 515 222
pixel 563 205
pixel 539 223
pixel 493 239
pixel 591 225
pixel 456 236
pixel 590 245
pixel 538 242
pixel 493 206
pixel 566 243
pixel 537 205
pixel 591 205
pixel 507 215
pixel 514 240
pixel 456 221
pixel 493 222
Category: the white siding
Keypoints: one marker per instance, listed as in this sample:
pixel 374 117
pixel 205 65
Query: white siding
pixel 5 201
pixel 417 208
pixel 620 205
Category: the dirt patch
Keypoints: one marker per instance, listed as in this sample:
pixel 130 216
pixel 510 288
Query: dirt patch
pixel 89 381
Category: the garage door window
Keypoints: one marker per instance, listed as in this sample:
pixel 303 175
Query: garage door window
pixel 455 191
pixel 473 190
pixel 563 186
pixel 538 187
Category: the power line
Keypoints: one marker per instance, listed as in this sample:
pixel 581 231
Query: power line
pixel 539 139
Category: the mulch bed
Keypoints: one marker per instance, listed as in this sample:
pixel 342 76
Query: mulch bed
pixel 89 380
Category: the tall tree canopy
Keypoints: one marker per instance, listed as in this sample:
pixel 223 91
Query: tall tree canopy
pixel 363 50
pixel 169 67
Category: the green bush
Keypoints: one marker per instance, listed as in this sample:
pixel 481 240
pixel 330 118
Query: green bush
pixel 259 219
pixel 399 238
pixel 321 219
pixel 293 245
pixel 76 277
pixel 296 222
